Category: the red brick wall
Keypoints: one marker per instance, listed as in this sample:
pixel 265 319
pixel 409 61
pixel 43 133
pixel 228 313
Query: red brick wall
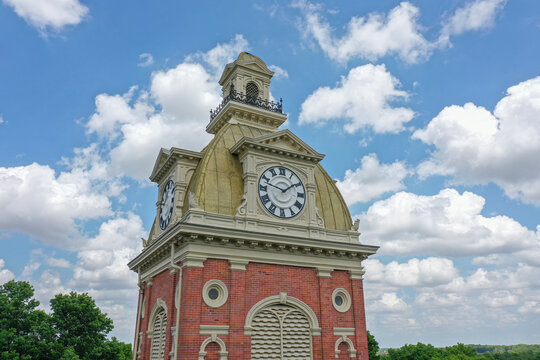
pixel 163 287
pixel 246 288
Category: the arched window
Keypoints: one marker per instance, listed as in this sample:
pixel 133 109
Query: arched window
pixel 281 328
pixel 252 92
pixel 159 333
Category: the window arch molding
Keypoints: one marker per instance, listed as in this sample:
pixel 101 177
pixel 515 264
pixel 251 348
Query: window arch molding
pixel 223 354
pixel 345 339
pixel 282 298
pixel 160 304
pixel 158 318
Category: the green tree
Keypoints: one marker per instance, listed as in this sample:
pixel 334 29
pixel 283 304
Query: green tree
pixel 80 324
pixel 24 330
pixel 76 329
pixel 373 347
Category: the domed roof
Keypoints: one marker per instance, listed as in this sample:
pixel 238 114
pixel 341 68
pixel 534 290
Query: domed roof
pixel 218 185
pixel 245 56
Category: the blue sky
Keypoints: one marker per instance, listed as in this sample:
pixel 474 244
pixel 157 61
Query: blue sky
pixel 428 113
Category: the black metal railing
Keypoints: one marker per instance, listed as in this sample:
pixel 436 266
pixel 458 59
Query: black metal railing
pixel 250 100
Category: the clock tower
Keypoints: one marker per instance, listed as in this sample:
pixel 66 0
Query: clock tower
pixel 253 253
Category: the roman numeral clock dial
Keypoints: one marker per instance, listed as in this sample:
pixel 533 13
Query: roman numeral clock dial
pixel 281 192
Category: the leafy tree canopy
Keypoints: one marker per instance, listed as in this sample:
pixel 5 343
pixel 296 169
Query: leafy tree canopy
pixel 76 329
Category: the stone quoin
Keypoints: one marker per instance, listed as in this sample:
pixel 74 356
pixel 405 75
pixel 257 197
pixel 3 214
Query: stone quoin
pixel 253 253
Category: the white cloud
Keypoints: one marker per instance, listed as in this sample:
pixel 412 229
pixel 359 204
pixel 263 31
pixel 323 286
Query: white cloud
pixel 5 274
pixel 530 307
pixel 475 15
pixel 174 112
pixel 48 286
pixel 37 201
pixel 362 99
pixel 476 146
pixel 445 224
pixel 370 37
pixel 2 120
pixel 57 262
pixel 389 302
pixel 499 299
pixel 49 14
pixel 432 294
pixel 372 180
pixel 418 273
pixel 397 33
pixel 146 59
pixel 103 261
pixel 222 54
pixel 102 271
pixel 278 72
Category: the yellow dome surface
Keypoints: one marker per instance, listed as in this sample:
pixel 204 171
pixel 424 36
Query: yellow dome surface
pixel 218 185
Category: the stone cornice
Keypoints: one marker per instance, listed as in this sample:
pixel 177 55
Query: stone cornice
pixel 251 144
pixel 248 114
pixel 200 242
pixel 173 154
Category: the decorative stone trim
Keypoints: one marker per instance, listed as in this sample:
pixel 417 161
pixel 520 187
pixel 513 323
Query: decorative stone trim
pixel 214 330
pixel 193 261
pixel 282 298
pixel 139 344
pixel 345 339
pixel 324 272
pixel 221 289
pixel 329 251
pixel 173 345
pixel 157 306
pixel 346 300
pixel 238 264
pixel 357 274
pixel 223 354
pixel 344 331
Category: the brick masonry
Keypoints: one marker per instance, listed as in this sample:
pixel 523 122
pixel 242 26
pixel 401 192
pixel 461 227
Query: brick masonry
pixel 246 288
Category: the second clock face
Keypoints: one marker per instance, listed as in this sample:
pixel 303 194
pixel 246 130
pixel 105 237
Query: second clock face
pixel 167 205
pixel 282 192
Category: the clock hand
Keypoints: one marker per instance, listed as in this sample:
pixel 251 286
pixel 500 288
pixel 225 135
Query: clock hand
pixel 277 187
pixel 288 187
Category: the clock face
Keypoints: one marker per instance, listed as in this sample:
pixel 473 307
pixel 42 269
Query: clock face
pixel 167 205
pixel 281 192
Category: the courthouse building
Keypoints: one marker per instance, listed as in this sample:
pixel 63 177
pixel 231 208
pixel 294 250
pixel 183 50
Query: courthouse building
pixel 253 253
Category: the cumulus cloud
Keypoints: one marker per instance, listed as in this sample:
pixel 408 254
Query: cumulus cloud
pixel 363 99
pixel 432 293
pixel 49 285
pixel 46 205
pixel 475 146
pixel 1 119
pixel 418 273
pixel 445 224
pixel 174 112
pixel 397 33
pixel 389 302
pixel 102 271
pixel 50 14
pixel 146 59
pixel 370 37
pixel 372 179
pixel 5 274
pixel 475 15
pixel 278 72
pixel 216 58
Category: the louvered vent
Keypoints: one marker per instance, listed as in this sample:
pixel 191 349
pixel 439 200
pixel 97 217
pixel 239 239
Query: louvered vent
pixel 252 91
pixel 158 336
pixel 280 332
